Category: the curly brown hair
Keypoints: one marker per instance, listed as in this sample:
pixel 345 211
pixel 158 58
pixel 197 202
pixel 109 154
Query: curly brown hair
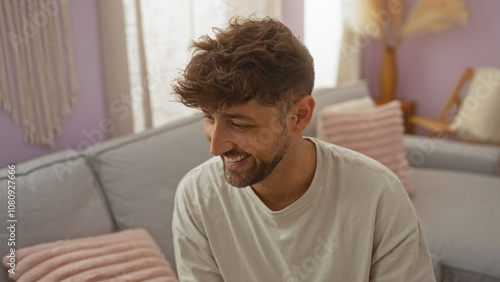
pixel 250 59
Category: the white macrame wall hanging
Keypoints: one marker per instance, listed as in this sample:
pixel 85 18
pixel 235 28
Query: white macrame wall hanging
pixel 38 82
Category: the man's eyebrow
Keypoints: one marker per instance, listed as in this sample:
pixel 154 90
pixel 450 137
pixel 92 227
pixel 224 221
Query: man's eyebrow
pixel 237 116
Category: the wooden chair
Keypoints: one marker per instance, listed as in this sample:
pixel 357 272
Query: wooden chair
pixel 440 125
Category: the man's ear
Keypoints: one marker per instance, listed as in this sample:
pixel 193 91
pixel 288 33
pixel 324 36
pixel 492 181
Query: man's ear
pixel 302 113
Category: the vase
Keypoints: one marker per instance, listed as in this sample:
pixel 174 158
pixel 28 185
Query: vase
pixel 388 74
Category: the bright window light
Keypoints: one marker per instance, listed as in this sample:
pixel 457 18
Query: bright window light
pixel 323 35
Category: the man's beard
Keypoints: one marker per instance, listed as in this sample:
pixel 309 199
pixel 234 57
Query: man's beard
pixel 259 171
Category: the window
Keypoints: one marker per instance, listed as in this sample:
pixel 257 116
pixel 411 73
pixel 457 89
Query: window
pixel 167 28
pixel 158 33
pixel 323 36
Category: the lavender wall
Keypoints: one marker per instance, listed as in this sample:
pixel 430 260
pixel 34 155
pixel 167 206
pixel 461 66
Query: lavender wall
pixel 430 66
pixel 82 127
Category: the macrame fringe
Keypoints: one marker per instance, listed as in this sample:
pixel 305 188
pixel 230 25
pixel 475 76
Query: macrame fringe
pixel 38 82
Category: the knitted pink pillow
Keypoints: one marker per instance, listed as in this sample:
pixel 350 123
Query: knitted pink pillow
pixel 130 255
pixel 377 133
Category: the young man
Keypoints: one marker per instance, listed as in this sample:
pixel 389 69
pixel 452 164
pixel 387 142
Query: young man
pixel 277 206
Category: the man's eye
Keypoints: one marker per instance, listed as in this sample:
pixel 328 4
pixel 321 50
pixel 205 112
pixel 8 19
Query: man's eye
pixel 238 126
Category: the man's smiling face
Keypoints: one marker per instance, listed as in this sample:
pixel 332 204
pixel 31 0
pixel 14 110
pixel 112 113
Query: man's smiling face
pixel 251 139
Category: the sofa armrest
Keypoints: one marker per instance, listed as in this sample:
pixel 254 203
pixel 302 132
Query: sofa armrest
pixel 453 155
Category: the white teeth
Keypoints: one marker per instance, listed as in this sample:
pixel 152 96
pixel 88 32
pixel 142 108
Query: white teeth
pixel 236 159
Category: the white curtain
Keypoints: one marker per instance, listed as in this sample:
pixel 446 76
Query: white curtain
pixel 153 36
pixel 350 59
pixel 353 41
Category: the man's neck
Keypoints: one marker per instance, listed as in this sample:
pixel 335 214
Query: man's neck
pixel 290 179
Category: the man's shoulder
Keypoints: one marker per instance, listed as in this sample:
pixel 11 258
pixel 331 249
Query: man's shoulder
pixel 355 169
pixel 362 179
pixel 341 156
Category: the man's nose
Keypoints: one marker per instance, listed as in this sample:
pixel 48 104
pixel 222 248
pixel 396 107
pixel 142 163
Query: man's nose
pixel 218 136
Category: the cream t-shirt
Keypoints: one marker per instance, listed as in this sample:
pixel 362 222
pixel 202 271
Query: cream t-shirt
pixel 354 223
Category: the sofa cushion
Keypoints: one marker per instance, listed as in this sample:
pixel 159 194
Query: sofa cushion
pixel 377 133
pixel 139 175
pixel 357 105
pixel 130 255
pixel 48 189
pixel 477 119
pixel 459 214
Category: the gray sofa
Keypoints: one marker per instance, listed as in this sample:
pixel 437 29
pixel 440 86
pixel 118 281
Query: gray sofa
pixel 130 182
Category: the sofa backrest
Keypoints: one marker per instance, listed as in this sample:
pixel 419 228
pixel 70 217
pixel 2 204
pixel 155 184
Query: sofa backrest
pixel 56 197
pixel 139 175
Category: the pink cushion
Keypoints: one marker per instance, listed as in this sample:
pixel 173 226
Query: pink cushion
pixel 130 255
pixel 377 133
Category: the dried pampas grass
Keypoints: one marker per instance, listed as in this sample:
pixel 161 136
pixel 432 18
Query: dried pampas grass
pixel 435 16
pixel 361 17
pixel 384 18
pixel 396 8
